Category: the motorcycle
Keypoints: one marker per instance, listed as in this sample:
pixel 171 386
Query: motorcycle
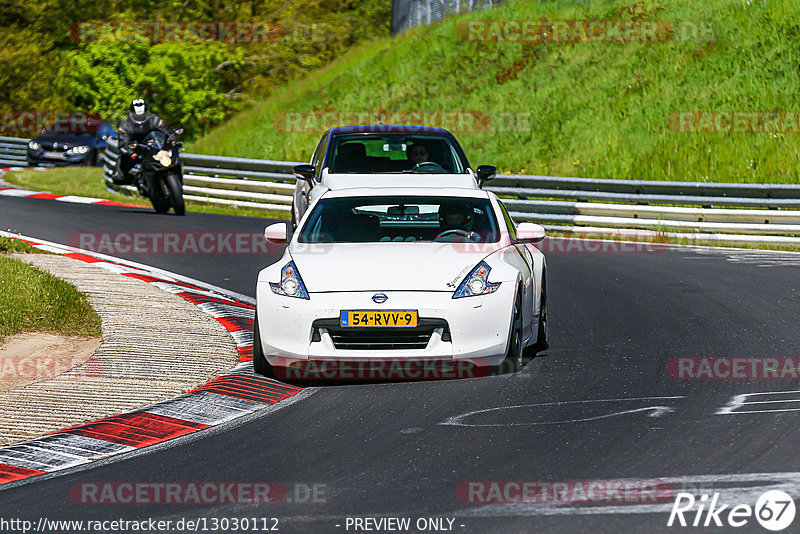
pixel 158 171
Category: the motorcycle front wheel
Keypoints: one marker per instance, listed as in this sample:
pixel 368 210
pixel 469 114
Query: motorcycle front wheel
pixel 176 194
pixel 157 198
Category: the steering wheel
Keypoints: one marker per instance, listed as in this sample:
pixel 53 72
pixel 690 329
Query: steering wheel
pixel 429 167
pixel 454 231
pixel 466 234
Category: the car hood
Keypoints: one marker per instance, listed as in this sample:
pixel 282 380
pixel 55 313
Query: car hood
pixel 47 140
pixel 351 181
pixel 389 266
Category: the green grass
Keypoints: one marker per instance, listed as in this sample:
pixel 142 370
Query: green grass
pixel 596 109
pixel 34 301
pixel 15 246
pixel 80 181
pixel 88 182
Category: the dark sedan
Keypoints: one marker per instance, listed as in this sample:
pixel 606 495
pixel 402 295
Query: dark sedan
pixel 70 143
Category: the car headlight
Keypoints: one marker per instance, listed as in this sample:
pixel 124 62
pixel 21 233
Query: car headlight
pixel 33 145
pixel 79 149
pixel 164 157
pixel 476 282
pixel 291 284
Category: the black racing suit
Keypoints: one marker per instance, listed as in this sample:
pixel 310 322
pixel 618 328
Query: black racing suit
pixel 132 131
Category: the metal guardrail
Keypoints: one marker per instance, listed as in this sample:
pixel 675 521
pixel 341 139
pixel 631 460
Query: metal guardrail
pixel 713 211
pixel 12 151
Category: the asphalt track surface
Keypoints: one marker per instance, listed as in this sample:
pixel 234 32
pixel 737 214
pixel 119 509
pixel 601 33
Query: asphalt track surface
pixel 382 450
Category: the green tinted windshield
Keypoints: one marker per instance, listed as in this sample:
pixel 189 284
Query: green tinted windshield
pixel 396 153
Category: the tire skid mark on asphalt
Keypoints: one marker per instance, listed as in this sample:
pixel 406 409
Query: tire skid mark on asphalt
pixel 238 393
pixel 761 258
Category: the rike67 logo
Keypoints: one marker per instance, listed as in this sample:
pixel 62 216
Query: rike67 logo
pixel 774 510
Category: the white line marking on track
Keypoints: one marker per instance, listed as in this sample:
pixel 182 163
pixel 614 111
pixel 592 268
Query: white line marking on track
pixel 77 200
pixel 656 411
pixel 737 401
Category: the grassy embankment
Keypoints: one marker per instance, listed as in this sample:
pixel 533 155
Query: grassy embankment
pixel 597 109
pixel 35 301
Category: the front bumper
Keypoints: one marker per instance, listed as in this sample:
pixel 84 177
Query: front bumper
pixel 470 328
pixel 63 158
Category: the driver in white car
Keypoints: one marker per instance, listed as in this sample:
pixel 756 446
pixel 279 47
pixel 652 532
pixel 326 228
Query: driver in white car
pixel 457 219
pixel 418 153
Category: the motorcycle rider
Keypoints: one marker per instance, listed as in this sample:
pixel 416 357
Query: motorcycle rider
pixel 133 129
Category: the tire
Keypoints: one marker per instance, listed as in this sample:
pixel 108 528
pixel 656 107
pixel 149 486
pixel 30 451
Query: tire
pixel 157 198
pixel 260 364
pixel 543 335
pixel 515 339
pixel 91 159
pixel 176 194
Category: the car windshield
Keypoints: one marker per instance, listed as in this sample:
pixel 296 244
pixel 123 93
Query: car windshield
pixel 406 218
pixel 396 153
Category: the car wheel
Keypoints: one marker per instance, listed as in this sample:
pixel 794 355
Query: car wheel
pixel 90 160
pixel 260 364
pixel 515 348
pixel 543 335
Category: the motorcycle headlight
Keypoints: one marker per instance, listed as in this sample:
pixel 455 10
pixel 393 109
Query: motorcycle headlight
pixel 164 157
pixel 476 282
pixel 291 284
pixel 33 145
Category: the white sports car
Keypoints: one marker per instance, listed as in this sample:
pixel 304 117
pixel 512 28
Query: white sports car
pixel 384 155
pixel 398 274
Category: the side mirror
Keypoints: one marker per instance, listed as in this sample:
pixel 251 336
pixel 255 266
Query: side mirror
pixel 529 232
pixel 179 131
pixel 485 173
pixel 276 233
pixel 304 172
